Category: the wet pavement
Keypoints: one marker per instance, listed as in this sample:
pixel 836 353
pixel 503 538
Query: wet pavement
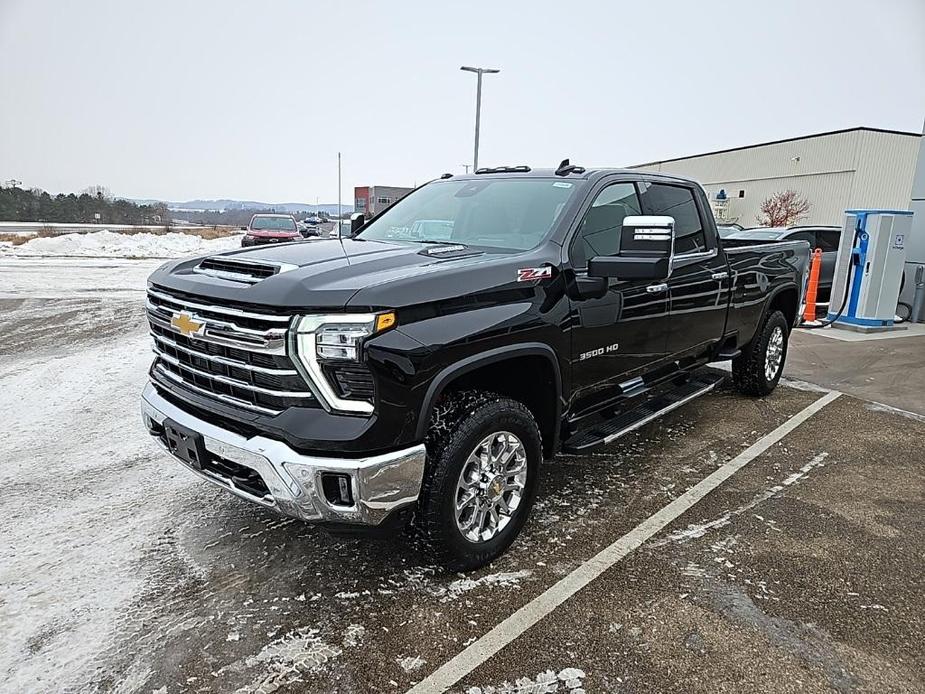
pixel 120 571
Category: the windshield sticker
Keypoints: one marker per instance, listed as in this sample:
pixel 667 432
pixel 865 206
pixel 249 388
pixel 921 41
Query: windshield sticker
pixel 527 274
pixel 561 184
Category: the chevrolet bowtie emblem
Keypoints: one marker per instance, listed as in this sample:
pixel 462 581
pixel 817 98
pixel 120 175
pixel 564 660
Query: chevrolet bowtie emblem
pixel 184 324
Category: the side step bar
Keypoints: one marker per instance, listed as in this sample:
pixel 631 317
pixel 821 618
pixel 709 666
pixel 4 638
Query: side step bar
pixel 612 429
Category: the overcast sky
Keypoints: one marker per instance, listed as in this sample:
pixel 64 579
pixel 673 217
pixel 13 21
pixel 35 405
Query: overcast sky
pixel 195 99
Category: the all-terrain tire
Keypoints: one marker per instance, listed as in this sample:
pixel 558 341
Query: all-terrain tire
pixel 753 371
pixel 461 421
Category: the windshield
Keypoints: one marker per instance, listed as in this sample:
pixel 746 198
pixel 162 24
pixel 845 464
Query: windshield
pixel 503 213
pixel 273 224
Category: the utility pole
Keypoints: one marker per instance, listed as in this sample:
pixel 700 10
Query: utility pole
pixel 466 167
pixel 338 193
pixel 478 105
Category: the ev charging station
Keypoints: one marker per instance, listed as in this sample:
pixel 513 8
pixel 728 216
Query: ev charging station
pixel 869 268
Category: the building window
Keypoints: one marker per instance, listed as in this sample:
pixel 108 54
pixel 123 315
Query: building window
pixel 360 203
pixel 383 201
pixel 741 193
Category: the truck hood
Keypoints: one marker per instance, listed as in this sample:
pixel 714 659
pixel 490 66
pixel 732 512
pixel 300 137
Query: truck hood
pixel 331 274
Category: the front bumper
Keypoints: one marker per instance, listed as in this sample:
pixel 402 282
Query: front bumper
pixel 380 484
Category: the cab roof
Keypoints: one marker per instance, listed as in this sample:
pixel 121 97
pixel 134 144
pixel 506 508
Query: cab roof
pixel 586 174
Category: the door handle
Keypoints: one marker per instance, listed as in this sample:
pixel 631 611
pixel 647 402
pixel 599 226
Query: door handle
pixel 657 288
pixel 720 275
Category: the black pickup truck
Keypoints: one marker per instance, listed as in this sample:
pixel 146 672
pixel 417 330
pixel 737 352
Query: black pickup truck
pixel 417 372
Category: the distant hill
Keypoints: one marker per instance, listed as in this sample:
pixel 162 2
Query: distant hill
pixel 224 204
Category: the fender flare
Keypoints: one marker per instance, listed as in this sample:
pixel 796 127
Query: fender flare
pixel 456 369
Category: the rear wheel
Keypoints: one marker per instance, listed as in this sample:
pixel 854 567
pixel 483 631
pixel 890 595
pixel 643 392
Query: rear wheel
pixel 484 456
pixel 758 369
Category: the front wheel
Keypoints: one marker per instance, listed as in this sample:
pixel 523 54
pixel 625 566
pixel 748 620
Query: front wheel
pixel 484 456
pixel 758 369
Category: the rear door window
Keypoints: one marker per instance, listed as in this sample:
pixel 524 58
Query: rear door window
pixel 677 202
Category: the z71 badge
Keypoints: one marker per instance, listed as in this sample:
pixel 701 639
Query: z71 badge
pixel 526 274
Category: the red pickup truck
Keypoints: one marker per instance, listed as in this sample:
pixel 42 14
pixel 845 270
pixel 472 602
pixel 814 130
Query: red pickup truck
pixel 270 228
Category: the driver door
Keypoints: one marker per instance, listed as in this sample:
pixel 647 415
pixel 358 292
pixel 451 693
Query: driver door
pixel 620 335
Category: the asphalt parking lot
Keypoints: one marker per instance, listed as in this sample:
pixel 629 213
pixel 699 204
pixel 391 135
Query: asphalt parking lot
pixel 119 571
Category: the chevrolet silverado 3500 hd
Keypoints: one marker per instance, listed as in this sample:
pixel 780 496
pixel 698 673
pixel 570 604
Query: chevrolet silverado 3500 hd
pixel 422 372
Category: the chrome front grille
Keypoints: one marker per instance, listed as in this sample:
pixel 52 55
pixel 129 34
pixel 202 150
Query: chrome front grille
pixel 233 355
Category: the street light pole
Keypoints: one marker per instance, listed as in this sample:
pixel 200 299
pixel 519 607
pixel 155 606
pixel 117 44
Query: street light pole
pixel 478 106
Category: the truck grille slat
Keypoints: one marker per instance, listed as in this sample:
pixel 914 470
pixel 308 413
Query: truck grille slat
pixel 231 363
pixel 235 356
pixel 236 383
pixel 222 397
pixel 159 296
pixel 272 341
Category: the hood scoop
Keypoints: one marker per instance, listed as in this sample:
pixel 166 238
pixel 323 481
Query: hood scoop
pixel 247 271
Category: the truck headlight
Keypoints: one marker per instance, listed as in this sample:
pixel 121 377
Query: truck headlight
pixel 339 337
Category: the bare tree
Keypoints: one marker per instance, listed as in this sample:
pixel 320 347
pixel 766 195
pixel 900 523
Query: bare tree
pixel 783 209
pixel 99 192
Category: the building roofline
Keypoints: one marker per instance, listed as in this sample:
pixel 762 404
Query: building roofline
pixel 778 142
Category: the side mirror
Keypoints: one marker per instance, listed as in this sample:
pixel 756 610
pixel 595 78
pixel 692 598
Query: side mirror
pixel 646 246
pixel 356 221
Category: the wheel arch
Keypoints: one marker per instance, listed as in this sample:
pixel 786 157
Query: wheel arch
pixel 494 369
pixel 785 299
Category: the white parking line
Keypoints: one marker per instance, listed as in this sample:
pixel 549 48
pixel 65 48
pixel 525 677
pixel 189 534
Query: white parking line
pixel 485 647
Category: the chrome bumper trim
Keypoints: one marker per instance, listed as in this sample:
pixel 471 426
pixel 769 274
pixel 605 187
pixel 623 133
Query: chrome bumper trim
pixel 380 484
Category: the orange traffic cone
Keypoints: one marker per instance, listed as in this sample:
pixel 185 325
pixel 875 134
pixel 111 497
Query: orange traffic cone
pixel 809 314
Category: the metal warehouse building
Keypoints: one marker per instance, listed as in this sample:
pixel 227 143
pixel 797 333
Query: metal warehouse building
pixel 834 171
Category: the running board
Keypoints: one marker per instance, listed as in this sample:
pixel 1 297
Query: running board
pixel 612 429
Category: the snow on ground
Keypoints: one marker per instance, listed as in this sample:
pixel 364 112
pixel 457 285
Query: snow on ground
pixel 107 244
pixel 73 525
pixel 547 682
pixel 68 278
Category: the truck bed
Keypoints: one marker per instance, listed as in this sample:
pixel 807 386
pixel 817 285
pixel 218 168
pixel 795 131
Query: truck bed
pixel 796 254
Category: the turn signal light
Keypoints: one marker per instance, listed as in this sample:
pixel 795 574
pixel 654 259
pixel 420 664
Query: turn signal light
pixel 385 320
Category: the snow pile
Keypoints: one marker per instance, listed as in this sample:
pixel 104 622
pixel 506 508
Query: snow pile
pixel 507 579
pixel 108 244
pixel 546 682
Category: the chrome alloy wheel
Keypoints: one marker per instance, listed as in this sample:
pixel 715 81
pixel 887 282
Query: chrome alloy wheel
pixel 491 486
pixel 774 354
